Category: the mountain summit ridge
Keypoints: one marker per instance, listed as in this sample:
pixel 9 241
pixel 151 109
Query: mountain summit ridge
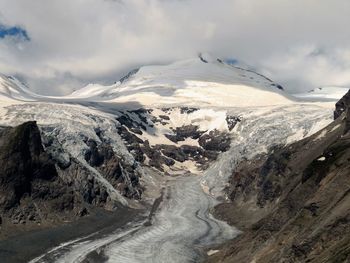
pixel 200 81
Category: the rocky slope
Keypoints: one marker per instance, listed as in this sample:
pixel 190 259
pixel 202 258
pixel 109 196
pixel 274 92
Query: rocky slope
pixel 293 204
pixel 39 187
pixel 30 189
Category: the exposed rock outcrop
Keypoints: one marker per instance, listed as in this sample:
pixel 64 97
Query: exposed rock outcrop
pixel 40 183
pixel 215 141
pixel 121 175
pixel 342 105
pixel 180 140
pixel 184 132
pixel 30 188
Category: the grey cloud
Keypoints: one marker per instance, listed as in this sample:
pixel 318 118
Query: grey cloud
pixel 302 44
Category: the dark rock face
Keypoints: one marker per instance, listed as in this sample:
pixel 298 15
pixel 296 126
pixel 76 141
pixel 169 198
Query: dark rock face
pixel 293 204
pixel 117 172
pixel 87 189
pixel 127 121
pixel 215 141
pixel 28 177
pixel 137 122
pixel 100 156
pixel 342 105
pixel 157 160
pixel 133 143
pixel 181 133
pixel 164 117
pixel 129 75
pixel 95 156
pixel 187 110
pixel 47 186
pixel 232 121
pixel 22 161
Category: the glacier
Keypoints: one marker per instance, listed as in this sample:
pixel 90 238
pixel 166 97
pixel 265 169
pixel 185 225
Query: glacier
pixel 182 228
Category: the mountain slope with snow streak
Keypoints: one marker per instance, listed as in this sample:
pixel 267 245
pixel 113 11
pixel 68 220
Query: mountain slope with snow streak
pixel 12 89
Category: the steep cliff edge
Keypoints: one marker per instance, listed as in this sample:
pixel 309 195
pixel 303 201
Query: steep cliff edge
pixel 293 204
pixel 37 187
pixel 31 192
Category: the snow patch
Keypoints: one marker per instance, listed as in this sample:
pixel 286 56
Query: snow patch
pixel 212 252
pixel 321 159
pixel 321 135
pixel 335 127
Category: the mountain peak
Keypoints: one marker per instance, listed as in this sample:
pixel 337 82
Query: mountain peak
pixel 199 82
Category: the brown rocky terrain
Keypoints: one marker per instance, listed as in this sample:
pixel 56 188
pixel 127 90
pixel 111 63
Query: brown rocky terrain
pixel 293 204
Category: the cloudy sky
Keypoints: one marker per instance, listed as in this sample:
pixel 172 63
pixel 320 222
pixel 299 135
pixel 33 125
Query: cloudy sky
pixel 59 45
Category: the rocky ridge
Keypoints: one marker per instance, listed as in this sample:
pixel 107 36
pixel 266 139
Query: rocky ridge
pixel 42 185
pixel 31 189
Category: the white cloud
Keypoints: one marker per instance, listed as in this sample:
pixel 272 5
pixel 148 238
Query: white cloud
pixel 305 67
pixel 301 43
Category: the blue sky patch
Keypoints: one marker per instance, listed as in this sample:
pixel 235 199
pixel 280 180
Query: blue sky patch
pixel 14 31
pixel 231 61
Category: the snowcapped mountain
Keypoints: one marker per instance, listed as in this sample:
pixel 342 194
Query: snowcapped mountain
pixel 140 139
pixel 12 88
pixel 200 81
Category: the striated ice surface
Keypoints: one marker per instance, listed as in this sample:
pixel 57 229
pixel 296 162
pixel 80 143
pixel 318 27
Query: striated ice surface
pixel 182 227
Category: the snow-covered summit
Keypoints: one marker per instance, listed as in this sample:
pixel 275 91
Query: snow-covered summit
pixel 201 81
pixel 12 88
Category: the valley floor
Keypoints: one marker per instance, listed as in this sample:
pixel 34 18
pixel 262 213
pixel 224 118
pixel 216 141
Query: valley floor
pixel 24 247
